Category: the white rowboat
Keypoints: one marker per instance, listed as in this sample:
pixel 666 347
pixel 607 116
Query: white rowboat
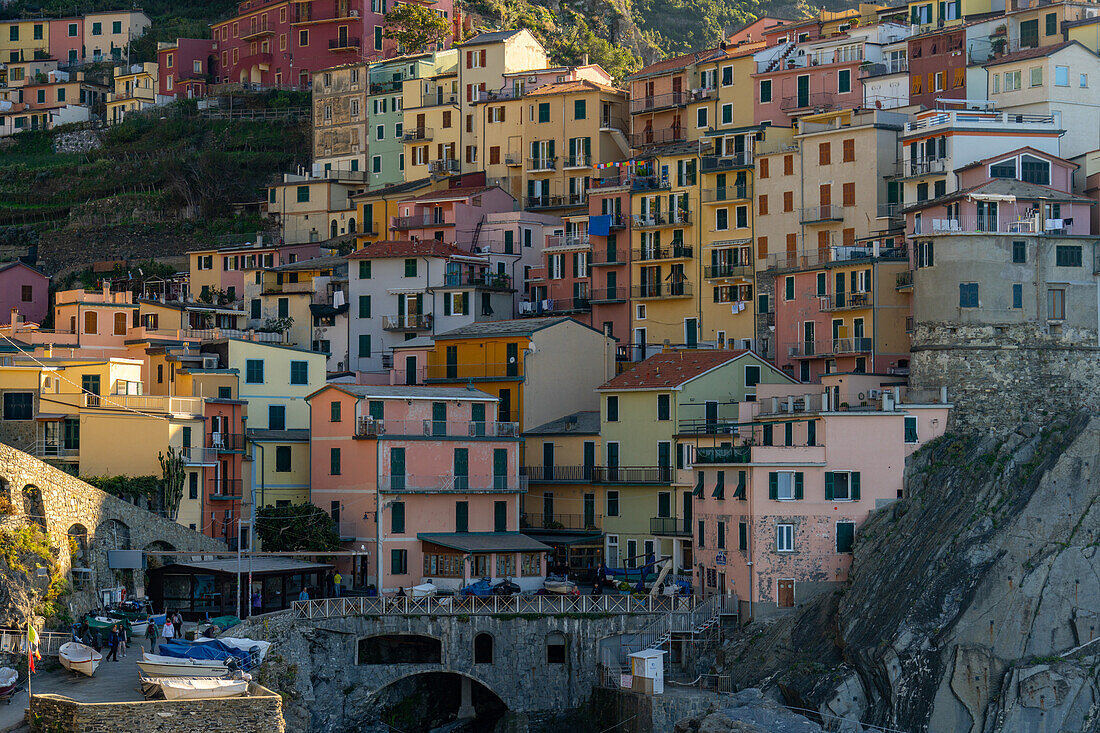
pixel 77 657
pixel 156 665
pixel 194 688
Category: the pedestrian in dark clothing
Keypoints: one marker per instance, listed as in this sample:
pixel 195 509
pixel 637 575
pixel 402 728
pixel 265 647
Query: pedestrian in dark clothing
pixel 113 641
pixel 151 634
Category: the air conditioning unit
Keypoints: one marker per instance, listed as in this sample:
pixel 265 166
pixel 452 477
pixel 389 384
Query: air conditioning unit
pixel 353 14
pixel 532 80
pixel 874 394
pixel 210 362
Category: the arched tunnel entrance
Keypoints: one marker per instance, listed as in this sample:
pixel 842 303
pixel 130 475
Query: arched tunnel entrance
pixel 429 701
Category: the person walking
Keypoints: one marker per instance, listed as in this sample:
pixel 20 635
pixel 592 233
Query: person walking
pixel 113 642
pixel 257 601
pixel 169 630
pixel 151 634
pixel 123 637
pixel 177 623
pixel 336 581
pixel 304 595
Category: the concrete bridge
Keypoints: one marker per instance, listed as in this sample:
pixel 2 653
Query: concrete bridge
pixel 533 654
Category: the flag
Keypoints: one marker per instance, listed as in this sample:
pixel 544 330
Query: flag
pixel 32 646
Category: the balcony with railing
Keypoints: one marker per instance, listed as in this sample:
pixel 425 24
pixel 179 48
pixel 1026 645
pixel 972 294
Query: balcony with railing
pixel 653 220
pixel 386 87
pixel 513 160
pixel 576 161
pixel 674 251
pixel 450 483
pixel 893 66
pixel 424 428
pixel 535 521
pixel 846 301
pixel 560 474
pixel 722 454
pixel 600 256
pixel 660 136
pixel 407 322
pixel 481 370
pixel 904 280
pixel 344 44
pixel 553 201
pixel 416 134
pixel 727 193
pixel 226 442
pixel 727 270
pixel 614 294
pixel 543 164
pixel 485 280
pixel 918 167
pixel 984 224
pixel 566 241
pixel 144 403
pixel 599 474
pixel 817 100
pixel 224 489
pixel 890 211
pixel 420 221
pixel 555 306
pixel 444 165
pixel 681 289
pixel 656 102
pixel 194 455
pixel 820 214
pixel 833 253
pixel 727 162
pixel 987 120
pixel 670 526
pixel 830 347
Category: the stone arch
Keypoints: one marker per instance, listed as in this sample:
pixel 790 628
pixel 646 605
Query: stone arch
pixel 78 546
pixel 388 649
pixel 351 225
pixel 557 648
pixel 334 229
pixel 33 506
pixel 483 648
pixel 112 534
pixel 6 507
pixel 452 689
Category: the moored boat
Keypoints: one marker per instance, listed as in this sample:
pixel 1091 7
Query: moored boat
pixel 156 665
pixel 77 657
pixel 192 688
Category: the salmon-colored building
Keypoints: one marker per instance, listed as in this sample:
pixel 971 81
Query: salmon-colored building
pixel 423 484
pixel 779 498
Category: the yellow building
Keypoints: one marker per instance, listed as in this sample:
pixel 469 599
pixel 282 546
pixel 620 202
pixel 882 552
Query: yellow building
pixel 431 130
pixel 289 291
pixel 378 208
pixel 107 34
pixel 313 209
pixel 24 40
pixel 136 89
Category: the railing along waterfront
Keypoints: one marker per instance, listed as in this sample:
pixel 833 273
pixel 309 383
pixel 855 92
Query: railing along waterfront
pixel 474 606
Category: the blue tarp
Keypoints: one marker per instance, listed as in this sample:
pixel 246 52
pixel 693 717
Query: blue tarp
pixel 599 226
pixel 207 650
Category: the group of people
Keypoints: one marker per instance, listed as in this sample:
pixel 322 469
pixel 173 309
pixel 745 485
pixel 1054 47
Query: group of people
pixel 173 627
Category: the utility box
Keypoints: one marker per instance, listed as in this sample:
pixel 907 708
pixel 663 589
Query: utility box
pixel 648 670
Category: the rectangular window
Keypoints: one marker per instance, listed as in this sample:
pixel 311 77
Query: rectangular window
pixel 282 458
pixel 364 346
pixel 334 461
pixel 845 536
pixel 844 81
pixel 1061 76
pixel 364 265
pixel 1056 304
pixel 788 288
pixel 785 485
pixel 399 562
pixel 784 537
pixel 1036 74
pixel 765 91
pixel 397 518
pixel 462 516
pixel 721 535
pixel 410 267
pixel 663 407
pixel 742 536
pixel 910 428
pixel 612 408
pixel 303 194
pixel 334 411
pixel 968 295
pixel 1067 255
pixel 612 503
pixel 1017 295
pixel 364 306
pixel 1019 252
pixel 276 417
pixel 18 405
pixel 580 111
pixel 299 372
pixel 842 486
pixel 254 371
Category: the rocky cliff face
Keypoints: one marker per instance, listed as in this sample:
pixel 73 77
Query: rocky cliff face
pixel 969 600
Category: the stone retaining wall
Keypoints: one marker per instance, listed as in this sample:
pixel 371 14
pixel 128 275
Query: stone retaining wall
pixel 260 712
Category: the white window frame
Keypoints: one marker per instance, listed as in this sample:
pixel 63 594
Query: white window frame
pixel 847 486
pixel 779 486
pixel 784 537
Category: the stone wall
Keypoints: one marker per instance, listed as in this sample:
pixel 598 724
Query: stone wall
pixel 998 377
pixel 634 712
pixel 260 712
pixel 110 523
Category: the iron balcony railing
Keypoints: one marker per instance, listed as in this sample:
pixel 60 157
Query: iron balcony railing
pixel 413 134
pixel 554 305
pixel 674 251
pixel 339 44
pixel 566 240
pixel 903 279
pixel 549 201
pixel 548 163
pixel 198 455
pixel 670 526
pixel 661 136
pixel 556 521
pixel 418 221
pixel 577 161
pixel 445 165
pixel 662 219
pixel 450 483
pixel 847 301
pixel 493 280
pixel 543 605
pixel 225 441
pixel 727 193
pixel 224 488
pixel 727 270
pixel 895 66
pixel 560 474
pixel 721 454
pixel 408 322
pixel 485 370
pixel 817 100
pixel 612 294
pixel 373 427
pixel 601 474
pixel 659 101
pixel 603 256
pixel 828 212
pixel 830 347
pixel 730 161
pixel 650 183
pixel 662 290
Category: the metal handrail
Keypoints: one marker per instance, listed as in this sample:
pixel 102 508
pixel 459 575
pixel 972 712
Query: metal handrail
pixel 474 606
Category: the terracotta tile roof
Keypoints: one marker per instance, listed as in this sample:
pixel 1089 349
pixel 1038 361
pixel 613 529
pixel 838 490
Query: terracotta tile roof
pixel 676 62
pixel 577 85
pixel 1017 151
pixel 671 368
pixel 1029 53
pixel 407 248
pixel 460 192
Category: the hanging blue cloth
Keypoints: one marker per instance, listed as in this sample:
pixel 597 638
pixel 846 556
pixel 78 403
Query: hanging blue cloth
pixel 599 226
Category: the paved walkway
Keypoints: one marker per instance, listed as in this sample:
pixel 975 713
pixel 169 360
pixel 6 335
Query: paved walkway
pixel 113 682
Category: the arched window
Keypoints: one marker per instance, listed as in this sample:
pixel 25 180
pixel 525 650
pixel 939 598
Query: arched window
pixel 351 226
pixel 555 648
pixel 33 506
pixel 483 649
pixel 334 229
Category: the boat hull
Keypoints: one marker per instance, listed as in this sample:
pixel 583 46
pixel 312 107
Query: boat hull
pixel 161 669
pixel 77 657
pixel 201 689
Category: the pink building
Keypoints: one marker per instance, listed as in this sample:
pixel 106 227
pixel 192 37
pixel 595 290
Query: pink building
pixel 23 289
pixel 67 40
pixel 450 216
pixel 777 507
pixel 440 472
pixel 561 285
pixel 186 67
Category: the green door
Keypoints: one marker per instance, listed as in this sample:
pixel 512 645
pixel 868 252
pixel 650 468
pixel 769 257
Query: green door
pixel 803 91
pixel 439 418
pixel 589 510
pixel 500 468
pixel 500 516
pixel 590 458
pixel 397 469
pixel 477 416
pixel 452 362
pixel 462 468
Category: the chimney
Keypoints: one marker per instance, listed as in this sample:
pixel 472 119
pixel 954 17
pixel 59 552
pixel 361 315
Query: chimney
pixel 585 61
pixel 15 320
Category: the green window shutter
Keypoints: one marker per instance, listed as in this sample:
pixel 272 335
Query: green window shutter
pixel 830 490
pixel 742 536
pixel 854 481
pixel 720 486
pixel 845 536
pixel 740 493
pixel 465 304
pixel 798 485
pixel 773 485
pixel 364 306
pixel 364 345
pixel 446 304
pixel 364 269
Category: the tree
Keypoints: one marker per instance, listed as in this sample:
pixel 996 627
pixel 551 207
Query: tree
pixel 415 26
pixel 172 468
pixel 299 527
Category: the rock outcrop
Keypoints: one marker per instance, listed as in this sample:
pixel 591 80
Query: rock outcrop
pixel 748 711
pixel 972 602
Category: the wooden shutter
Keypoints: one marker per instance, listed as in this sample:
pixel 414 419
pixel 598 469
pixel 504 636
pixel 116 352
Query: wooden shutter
pixel 763 167
pixel 830 486
pixel 853 482
pixel 761 246
pixel 798 480
pixel 773 485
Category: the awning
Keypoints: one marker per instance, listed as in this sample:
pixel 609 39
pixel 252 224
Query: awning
pixel 484 541
pixel 571 538
pixel 51 416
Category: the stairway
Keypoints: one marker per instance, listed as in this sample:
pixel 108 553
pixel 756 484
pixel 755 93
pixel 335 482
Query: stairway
pixel 477 233
pixel 778 62
pixel 619 137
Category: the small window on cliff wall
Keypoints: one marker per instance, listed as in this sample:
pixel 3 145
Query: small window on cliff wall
pixel 555 648
pixel 483 649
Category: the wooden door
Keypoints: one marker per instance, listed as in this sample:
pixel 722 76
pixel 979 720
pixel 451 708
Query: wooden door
pixel 786 593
